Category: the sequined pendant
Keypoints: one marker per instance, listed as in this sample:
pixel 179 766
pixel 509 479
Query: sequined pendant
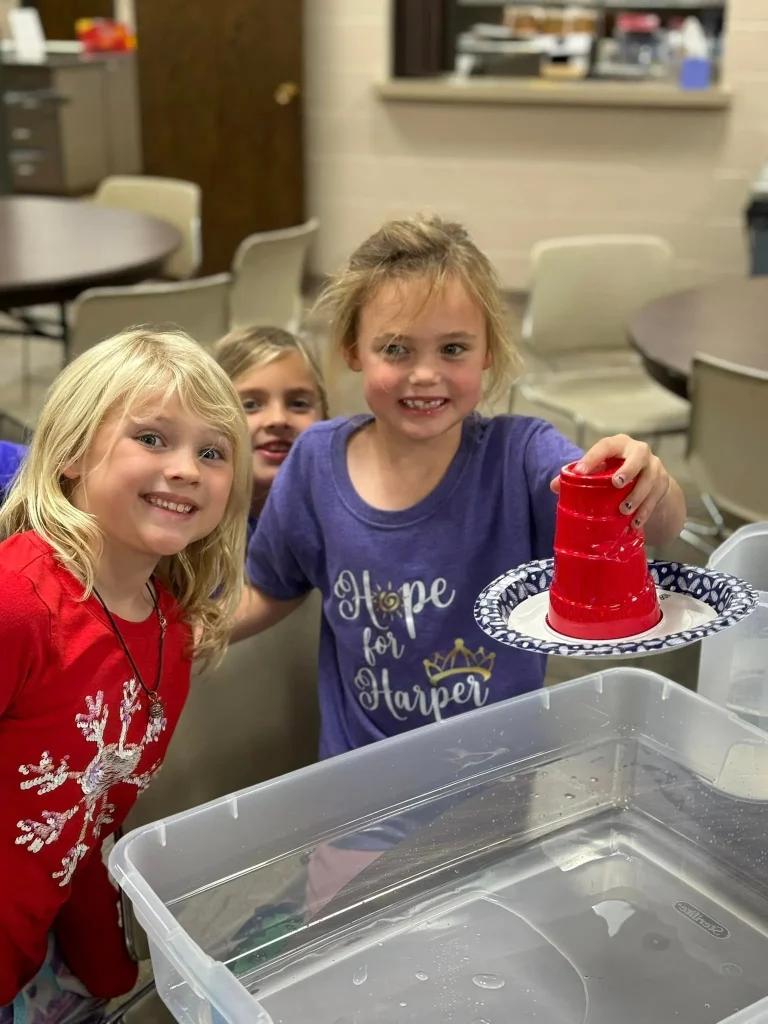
pixel 156 709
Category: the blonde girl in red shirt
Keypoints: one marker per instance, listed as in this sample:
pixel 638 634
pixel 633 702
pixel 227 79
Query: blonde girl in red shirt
pixel 128 515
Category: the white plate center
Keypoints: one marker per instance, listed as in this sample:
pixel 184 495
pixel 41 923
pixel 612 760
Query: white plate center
pixel 680 612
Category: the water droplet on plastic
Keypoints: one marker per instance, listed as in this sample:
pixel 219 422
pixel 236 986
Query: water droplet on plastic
pixel 360 976
pixel 421 976
pixel 733 969
pixel 655 941
pixel 706 1006
pixel 403 1004
pixel 593 778
pixel 488 981
pixel 480 1020
pixel 569 796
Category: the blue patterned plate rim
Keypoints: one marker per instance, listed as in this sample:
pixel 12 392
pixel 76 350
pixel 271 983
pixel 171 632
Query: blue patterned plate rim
pixel 733 599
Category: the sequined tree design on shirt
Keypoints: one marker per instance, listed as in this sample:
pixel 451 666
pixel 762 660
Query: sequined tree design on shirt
pixel 113 763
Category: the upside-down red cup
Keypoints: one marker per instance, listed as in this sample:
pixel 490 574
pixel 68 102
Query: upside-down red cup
pixel 602 588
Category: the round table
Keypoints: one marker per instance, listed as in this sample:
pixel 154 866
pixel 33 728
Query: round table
pixel 728 321
pixel 53 249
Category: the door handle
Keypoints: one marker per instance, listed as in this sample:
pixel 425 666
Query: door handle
pixel 286 93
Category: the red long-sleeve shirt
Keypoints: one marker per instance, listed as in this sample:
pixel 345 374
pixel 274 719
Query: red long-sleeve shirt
pixel 77 746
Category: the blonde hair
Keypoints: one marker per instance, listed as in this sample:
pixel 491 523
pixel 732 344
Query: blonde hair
pixel 241 351
pixel 120 374
pixel 428 249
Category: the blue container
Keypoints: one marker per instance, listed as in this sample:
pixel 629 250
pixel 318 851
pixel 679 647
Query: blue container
pixel 695 73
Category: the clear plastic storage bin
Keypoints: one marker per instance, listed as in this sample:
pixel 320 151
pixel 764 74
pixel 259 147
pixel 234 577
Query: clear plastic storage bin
pixel 734 663
pixel 591 853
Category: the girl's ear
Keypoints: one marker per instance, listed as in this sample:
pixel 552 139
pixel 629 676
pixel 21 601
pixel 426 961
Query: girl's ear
pixel 352 358
pixel 73 472
pixel 488 358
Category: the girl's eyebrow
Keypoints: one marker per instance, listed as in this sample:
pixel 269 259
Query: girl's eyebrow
pixel 392 337
pixel 216 434
pixel 386 339
pixel 259 392
pixel 148 417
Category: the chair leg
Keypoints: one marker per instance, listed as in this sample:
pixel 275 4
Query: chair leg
pixel 697 541
pixel 716 528
pixel 706 537
pixel 714 512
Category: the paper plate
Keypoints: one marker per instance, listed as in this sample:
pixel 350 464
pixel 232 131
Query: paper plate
pixel 695 603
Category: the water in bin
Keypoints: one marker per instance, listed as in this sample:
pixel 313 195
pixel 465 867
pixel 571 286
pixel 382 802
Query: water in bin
pixel 734 663
pixel 592 854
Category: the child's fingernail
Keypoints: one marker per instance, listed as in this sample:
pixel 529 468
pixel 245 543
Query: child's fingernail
pixel 628 506
pixel 619 480
pixel 580 467
pixel 636 523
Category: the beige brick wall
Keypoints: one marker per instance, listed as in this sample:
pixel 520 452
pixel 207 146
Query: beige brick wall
pixel 515 175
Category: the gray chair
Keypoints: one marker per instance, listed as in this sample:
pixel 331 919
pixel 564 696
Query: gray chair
pixel 267 272
pixel 583 291
pixel 199 307
pixel 727 442
pixel 171 199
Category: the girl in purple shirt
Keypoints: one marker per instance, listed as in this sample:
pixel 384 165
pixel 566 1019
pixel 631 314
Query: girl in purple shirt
pixel 402 516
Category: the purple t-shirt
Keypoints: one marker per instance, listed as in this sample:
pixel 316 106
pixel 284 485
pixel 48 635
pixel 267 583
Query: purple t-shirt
pixel 399 645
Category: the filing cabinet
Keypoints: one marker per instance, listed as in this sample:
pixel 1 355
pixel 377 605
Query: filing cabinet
pixel 71 122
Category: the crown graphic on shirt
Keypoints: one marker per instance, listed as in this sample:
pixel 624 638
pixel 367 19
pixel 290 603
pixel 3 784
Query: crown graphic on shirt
pixel 459 661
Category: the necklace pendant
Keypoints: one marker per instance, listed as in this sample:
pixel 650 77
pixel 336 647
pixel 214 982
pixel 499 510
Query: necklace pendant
pixel 156 709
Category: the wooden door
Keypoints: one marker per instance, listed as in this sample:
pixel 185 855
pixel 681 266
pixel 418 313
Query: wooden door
pixel 59 16
pixel 220 84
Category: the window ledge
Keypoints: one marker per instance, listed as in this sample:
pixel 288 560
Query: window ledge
pixel 549 93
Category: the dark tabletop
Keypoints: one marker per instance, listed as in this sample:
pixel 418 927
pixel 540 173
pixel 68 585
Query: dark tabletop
pixel 53 249
pixel 729 321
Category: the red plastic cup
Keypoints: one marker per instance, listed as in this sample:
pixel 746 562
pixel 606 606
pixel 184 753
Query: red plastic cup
pixel 602 588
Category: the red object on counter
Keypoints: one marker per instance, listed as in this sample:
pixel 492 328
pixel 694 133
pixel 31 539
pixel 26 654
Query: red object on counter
pixel 101 35
pixel 602 588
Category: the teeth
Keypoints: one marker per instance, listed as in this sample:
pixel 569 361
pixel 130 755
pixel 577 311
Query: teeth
pixel 172 505
pixel 423 403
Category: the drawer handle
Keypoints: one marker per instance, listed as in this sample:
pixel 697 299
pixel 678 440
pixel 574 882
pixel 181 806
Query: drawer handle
pixel 33 100
pixel 21 134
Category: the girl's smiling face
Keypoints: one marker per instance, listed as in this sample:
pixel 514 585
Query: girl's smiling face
pixel 280 400
pixel 422 355
pixel 156 479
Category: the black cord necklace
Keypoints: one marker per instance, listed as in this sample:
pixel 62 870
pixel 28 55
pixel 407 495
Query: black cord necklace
pixel 155 704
